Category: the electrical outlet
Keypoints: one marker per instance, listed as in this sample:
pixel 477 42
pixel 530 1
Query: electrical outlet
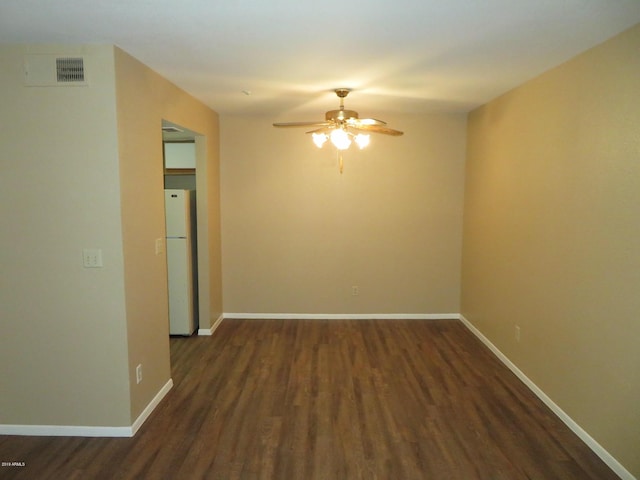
pixel 139 373
pixel 92 258
pixel 518 333
pixel 355 290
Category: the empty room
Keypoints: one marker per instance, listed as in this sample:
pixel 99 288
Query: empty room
pixel 280 240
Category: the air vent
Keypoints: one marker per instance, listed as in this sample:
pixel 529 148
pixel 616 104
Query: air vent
pixel 70 69
pixel 54 71
pixel 172 130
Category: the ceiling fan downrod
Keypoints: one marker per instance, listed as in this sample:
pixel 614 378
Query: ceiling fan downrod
pixel 342 93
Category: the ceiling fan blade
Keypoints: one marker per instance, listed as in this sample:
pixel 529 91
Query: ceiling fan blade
pixel 320 130
pixel 369 121
pixel 379 129
pixel 302 124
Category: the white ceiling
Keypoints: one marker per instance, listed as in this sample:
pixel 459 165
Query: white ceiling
pixel 398 56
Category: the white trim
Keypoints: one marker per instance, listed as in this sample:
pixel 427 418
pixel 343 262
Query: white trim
pixel 598 449
pixel 87 431
pixel 343 316
pixel 210 330
pixel 151 407
pixel 64 431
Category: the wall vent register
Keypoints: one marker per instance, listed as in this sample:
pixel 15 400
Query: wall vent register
pixel 70 69
pixel 54 70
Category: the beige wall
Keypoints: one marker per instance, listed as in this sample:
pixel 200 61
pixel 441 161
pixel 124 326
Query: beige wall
pixel 82 167
pixel 552 237
pixel 63 348
pixel 297 235
pixel 144 100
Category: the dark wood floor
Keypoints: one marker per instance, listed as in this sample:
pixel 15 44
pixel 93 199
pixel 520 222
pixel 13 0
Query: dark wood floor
pixel 312 399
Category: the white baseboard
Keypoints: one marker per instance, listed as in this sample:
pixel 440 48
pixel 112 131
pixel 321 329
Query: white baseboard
pixel 343 316
pixel 598 449
pixel 151 407
pixel 65 431
pixel 210 330
pixel 87 431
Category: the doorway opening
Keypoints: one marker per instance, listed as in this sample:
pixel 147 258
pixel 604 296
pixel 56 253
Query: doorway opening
pixel 180 160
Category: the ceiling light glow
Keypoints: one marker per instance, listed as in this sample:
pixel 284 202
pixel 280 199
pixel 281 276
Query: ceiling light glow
pixel 319 139
pixel 340 139
pixel 362 140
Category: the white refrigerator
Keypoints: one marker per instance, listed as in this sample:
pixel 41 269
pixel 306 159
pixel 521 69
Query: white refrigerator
pixel 181 261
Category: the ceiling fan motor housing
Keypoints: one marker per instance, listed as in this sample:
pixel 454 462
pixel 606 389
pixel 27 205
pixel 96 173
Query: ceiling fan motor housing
pixel 339 115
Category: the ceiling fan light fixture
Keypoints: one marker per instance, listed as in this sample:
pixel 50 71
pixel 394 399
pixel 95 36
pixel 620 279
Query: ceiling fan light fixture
pixel 362 140
pixel 319 139
pixel 340 139
pixel 342 127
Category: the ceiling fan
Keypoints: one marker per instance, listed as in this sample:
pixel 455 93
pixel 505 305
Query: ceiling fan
pixel 342 127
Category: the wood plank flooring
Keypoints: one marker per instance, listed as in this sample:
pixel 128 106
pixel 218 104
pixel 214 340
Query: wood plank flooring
pixel 337 399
